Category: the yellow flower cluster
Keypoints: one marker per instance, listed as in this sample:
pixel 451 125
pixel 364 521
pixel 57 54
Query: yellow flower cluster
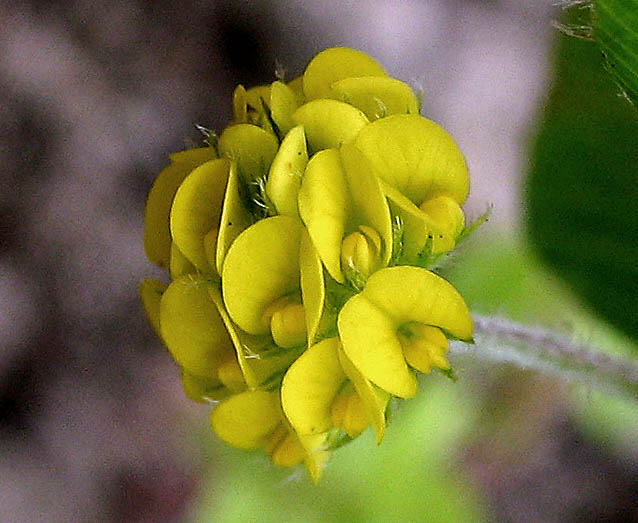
pixel 297 244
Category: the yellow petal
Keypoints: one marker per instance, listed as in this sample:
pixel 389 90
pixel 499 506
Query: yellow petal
pixel 192 328
pixel 309 387
pixel 251 147
pixel 257 100
pixel 283 102
pixel 376 96
pixel 334 64
pixel 289 452
pixel 240 113
pixel 369 205
pixel 257 371
pixel 313 290
pixel 275 438
pixel 356 418
pixel 157 237
pixel 329 123
pixel 286 171
pixel 416 156
pixel 151 294
pixel 414 294
pixel 230 374
pixel 180 264
pixel 197 209
pixel 261 266
pixel 448 215
pixel 368 336
pixel 323 205
pixel 425 347
pixel 296 85
pixel 288 326
pixel 316 454
pixel 374 399
pixel 234 219
pixel 338 409
pixel 245 420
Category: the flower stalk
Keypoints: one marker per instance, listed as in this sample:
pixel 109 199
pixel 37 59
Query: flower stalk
pixel 503 341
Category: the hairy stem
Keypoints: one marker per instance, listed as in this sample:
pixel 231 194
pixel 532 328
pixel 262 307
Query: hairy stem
pixel 505 341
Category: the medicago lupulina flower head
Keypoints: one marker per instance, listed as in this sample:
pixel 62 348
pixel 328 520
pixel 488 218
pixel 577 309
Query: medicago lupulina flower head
pixel 298 244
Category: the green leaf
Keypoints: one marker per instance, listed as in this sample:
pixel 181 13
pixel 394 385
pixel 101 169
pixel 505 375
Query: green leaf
pixel 582 189
pixel 616 31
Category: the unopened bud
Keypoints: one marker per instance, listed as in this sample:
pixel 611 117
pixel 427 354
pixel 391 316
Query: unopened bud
pixel 361 251
pixel 288 326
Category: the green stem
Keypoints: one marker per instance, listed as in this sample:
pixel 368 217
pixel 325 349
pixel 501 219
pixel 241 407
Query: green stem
pixel 504 341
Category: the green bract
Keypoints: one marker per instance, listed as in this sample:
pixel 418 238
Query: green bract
pixel 298 249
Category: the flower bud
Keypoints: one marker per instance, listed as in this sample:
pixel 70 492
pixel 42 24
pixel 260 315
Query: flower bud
pixel 360 252
pixel 288 326
pixel 286 320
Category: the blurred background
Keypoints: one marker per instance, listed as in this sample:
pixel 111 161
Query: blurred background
pixel 94 425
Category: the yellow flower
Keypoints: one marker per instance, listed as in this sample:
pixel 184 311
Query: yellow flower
pixel 254 419
pixel 157 236
pixel 323 390
pixel 189 324
pixel 343 207
pixel 296 247
pixel 388 315
pixel 424 176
